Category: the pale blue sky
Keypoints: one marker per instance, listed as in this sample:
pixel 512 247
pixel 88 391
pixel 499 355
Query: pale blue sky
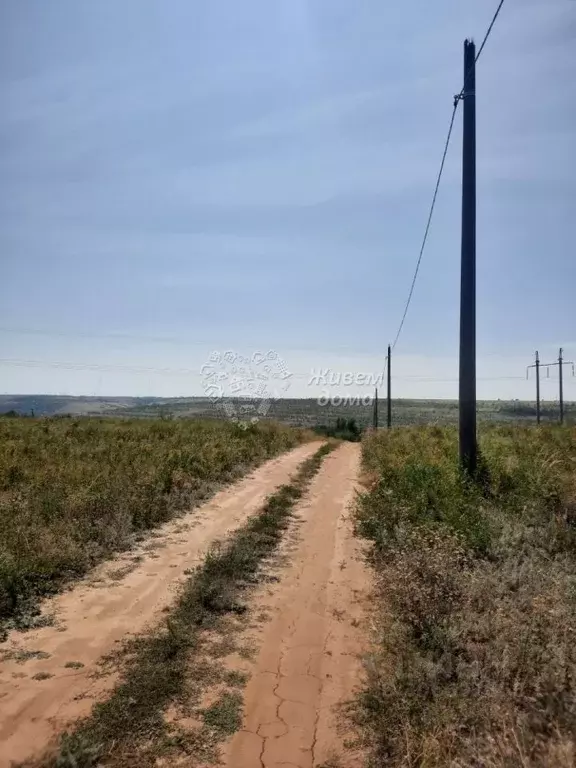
pixel 257 174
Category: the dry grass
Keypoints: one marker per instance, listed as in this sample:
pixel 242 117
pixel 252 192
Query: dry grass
pixel 74 491
pixel 475 655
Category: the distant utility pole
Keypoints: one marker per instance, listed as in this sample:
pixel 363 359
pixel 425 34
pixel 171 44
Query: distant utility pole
pixel 467 393
pixel 537 366
pixel 376 408
pixel 389 393
pixel 561 388
pixel 561 363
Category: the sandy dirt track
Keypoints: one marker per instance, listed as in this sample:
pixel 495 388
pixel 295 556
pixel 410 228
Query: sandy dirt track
pixel 120 597
pixel 307 661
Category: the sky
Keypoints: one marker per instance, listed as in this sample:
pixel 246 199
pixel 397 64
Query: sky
pixel 180 177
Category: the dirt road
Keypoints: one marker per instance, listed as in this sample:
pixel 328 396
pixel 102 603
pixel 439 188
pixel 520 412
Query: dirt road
pixel 47 678
pixel 307 659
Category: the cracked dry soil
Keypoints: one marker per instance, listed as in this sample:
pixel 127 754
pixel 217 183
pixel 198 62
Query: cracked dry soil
pixel 307 661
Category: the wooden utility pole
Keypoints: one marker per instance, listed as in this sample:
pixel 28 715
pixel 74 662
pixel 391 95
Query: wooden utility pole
pixel 376 409
pixel 561 391
pixel 389 393
pixel 467 393
pixel 537 366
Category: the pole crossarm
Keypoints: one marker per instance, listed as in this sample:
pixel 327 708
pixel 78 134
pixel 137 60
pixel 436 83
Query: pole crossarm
pixel 551 365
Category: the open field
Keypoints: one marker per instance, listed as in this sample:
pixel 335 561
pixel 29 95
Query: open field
pixel 296 412
pixel 74 491
pixel 239 629
pixel 475 613
pixel 308 413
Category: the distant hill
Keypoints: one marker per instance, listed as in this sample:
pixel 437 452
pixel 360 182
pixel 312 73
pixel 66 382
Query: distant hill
pixel 52 405
pixel 300 412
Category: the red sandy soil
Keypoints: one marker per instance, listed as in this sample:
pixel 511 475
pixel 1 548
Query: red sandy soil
pixel 308 647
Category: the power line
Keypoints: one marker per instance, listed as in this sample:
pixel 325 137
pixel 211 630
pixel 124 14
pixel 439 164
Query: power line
pixel 114 368
pixel 490 28
pixel 425 379
pixel 486 36
pixel 439 179
pixel 457 100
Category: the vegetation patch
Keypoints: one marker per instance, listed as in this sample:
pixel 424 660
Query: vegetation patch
pixel 42 676
pixel 22 655
pixel 75 491
pixel 342 429
pixel 475 656
pixel 225 714
pixel 172 665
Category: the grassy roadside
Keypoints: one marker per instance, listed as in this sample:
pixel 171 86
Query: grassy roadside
pixel 74 491
pixel 174 664
pixel 474 661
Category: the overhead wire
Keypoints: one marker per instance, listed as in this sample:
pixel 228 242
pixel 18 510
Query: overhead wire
pixel 457 100
pixel 429 222
pixel 113 368
pixel 489 31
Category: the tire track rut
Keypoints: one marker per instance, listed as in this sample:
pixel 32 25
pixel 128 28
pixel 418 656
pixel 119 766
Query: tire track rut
pixel 307 661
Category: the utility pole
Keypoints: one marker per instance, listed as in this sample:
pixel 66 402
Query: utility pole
pixel 537 366
pixel 389 393
pixel 467 393
pixel 561 392
pixel 376 409
pixel 561 363
pixel 537 388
